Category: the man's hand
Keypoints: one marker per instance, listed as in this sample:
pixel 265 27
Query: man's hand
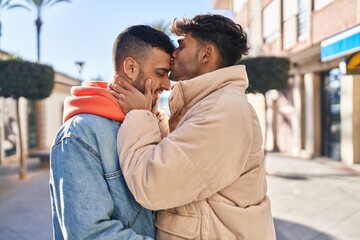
pixel 130 98
pixel 155 106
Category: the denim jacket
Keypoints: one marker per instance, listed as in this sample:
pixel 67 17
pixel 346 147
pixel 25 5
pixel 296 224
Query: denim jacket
pixel 89 196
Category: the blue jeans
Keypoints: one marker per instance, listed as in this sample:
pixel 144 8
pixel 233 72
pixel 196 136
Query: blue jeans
pixel 89 196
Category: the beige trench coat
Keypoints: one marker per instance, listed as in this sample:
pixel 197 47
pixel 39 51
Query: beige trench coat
pixel 207 176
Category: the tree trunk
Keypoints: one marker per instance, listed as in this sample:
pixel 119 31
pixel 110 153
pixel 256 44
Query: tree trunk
pixel 275 124
pixel 38 24
pixel 266 126
pixel 23 165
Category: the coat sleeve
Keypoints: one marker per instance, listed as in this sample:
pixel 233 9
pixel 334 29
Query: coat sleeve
pixel 202 156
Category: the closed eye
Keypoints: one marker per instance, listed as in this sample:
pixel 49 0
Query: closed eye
pixel 160 74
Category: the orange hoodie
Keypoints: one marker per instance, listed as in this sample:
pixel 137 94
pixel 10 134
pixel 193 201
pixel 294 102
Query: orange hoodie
pixel 92 98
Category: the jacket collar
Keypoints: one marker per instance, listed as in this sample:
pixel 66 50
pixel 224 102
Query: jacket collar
pixel 188 92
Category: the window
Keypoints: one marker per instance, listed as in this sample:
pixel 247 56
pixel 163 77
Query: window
pixel 290 8
pixel 304 19
pixel 271 21
pixel 290 13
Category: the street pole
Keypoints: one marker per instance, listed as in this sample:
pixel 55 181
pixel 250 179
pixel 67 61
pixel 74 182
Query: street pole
pixel 79 66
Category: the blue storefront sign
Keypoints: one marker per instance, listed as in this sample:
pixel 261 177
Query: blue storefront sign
pixel 341 44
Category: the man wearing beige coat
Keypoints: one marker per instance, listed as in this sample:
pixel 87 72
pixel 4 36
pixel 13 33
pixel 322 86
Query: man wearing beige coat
pixel 207 177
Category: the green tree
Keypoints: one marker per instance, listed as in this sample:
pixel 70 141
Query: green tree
pixel 6 5
pixel 29 80
pixel 161 25
pixel 265 74
pixel 39 6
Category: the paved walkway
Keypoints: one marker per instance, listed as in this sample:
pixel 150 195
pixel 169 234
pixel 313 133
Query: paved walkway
pixel 314 199
pixel 25 212
pixel 311 200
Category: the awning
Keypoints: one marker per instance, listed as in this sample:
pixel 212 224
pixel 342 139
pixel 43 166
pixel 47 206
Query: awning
pixel 341 44
pixel 352 63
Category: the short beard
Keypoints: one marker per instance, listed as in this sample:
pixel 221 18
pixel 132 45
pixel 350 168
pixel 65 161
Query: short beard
pixel 191 70
pixel 139 82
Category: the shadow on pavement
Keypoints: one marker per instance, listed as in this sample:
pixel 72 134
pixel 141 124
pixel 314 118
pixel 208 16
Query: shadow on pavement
pixel 286 230
pixel 303 176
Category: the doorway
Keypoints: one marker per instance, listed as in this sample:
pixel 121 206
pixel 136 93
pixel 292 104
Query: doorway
pixel 331 114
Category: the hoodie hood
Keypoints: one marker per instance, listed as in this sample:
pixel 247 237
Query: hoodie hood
pixel 92 98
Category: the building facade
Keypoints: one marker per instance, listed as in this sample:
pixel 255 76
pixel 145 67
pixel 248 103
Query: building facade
pixel 40 119
pixel 319 113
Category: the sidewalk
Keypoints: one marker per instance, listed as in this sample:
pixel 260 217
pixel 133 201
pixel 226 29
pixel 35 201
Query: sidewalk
pixel 25 212
pixel 311 200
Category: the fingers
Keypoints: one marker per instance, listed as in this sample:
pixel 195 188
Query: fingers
pixel 116 79
pixel 118 89
pixel 126 84
pixel 121 100
pixel 129 97
pixel 118 96
pixel 155 107
pixel 118 86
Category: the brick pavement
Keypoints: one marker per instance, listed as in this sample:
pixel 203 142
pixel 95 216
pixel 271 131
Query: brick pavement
pixel 311 200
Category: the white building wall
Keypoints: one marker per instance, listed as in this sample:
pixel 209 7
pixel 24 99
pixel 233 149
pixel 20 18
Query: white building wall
pixel 53 116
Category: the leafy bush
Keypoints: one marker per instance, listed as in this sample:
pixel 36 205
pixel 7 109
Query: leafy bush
pixel 266 73
pixel 25 79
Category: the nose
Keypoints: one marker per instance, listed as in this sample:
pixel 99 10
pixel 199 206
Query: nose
pixel 165 84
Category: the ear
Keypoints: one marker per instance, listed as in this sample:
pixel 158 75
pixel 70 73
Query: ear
pixel 131 68
pixel 207 53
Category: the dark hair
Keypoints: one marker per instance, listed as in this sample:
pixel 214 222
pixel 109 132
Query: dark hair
pixel 136 41
pixel 227 36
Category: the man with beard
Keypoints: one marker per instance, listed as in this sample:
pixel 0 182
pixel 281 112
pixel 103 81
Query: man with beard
pixel 207 177
pixel 89 197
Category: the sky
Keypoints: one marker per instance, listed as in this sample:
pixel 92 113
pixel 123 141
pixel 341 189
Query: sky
pixel 84 30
